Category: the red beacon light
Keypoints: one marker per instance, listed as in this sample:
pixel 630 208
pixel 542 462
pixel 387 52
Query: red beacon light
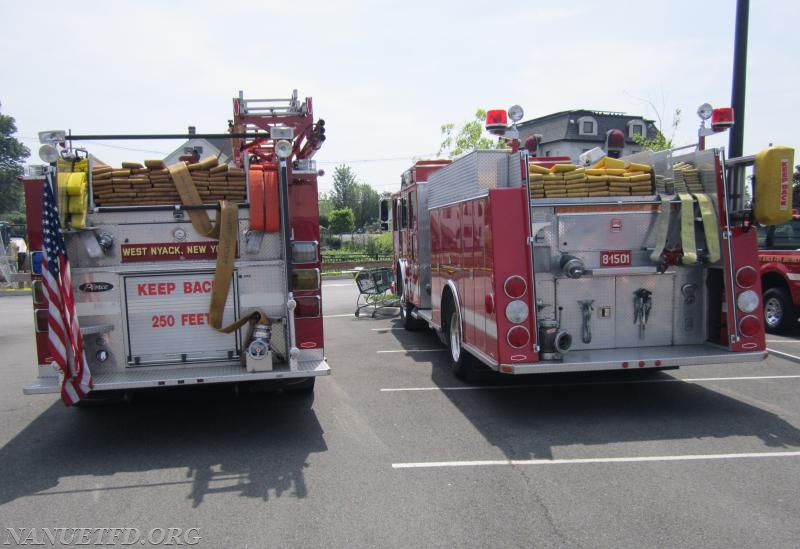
pixel 496 122
pixel 721 119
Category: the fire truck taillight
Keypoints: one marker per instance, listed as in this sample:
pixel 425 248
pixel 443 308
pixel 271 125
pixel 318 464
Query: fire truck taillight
pixel 746 277
pixel 305 279
pixel 304 251
pixel 750 326
pixel 517 311
pixel 41 317
pixel 307 307
pixel 518 336
pixel 515 287
pixel 747 301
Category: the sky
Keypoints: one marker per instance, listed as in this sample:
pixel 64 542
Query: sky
pixel 386 75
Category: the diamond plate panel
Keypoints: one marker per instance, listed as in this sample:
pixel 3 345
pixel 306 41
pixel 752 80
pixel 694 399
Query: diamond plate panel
pixel 263 286
pixel 546 292
pixel 690 322
pixel 658 330
pixel 468 177
pixel 594 232
pixel 601 291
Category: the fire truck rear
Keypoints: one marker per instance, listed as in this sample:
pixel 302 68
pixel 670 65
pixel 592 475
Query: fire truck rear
pixel 197 273
pixel 528 264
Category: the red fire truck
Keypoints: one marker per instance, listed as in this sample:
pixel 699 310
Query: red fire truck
pixel 167 292
pixel 779 254
pixel 528 264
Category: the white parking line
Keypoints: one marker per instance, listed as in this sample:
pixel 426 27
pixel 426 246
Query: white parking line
pixel 412 351
pixel 338 316
pixel 787 340
pixel 587 383
pixel 385 329
pixel 781 354
pixel 578 461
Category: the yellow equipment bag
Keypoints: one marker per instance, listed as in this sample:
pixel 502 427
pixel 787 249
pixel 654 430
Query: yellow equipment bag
pixel 773 185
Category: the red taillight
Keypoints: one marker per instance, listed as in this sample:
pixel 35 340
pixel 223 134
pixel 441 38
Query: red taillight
pixel 41 318
pixel 515 287
pixel 307 307
pixel 518 336
pixel 746 277
pixel 750 326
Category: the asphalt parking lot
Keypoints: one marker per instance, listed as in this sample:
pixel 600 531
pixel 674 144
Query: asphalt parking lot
pixel 394 452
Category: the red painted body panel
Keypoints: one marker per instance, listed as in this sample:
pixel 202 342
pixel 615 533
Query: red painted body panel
pixel 508 218
pixel 304 213
pixel 33 189
pixel 744 247
pixel 476 245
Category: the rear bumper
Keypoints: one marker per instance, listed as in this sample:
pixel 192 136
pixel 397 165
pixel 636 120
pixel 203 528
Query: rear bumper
pixel 635 359
pixel 150 377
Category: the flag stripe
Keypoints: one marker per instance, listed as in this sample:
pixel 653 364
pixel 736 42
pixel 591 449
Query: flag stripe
pixel 64 335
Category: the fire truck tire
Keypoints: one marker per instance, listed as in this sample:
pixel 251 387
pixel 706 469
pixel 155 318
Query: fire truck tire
pixel 460 359
pixel 409 322
pixel 779 314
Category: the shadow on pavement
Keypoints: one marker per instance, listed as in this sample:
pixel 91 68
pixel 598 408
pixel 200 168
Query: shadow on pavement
pixel 532 414
pixel 255 445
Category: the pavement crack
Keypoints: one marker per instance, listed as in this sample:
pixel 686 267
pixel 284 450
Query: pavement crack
pixel 564 540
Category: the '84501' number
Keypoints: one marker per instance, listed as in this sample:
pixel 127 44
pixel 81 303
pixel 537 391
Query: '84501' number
pixel 615 258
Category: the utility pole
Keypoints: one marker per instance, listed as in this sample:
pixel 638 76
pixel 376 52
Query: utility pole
pixel 736 140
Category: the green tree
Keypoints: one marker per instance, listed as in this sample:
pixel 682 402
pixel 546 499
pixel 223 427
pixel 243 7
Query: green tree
pixel 470 137
pixel 325 209
pixel 342 221
pixel 12 153
pixel 796 187
pixel 660 141
pixel 367 206
pixel 345 187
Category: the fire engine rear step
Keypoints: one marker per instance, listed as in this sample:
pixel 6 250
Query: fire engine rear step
pixel 141 378
pixel 637 358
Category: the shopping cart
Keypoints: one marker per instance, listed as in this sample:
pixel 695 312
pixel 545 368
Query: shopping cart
pixel 375 290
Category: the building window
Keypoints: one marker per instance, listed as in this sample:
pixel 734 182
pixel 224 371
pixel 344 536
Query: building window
pixel 587 126
pixel 636 127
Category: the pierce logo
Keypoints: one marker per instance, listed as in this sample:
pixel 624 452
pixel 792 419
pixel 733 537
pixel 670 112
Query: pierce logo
pixel 91 287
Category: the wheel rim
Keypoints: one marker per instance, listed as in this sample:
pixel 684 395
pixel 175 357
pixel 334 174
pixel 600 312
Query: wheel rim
pixel 455 338
pixel 773 312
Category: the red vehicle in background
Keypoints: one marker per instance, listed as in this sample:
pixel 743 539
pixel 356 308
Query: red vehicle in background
pixel 779 256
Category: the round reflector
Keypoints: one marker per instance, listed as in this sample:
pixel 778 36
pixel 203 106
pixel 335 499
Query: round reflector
pixel 747 301
pixel 517 311
pixel 518 336
pixel 750 326
pixel 515 287
pixel 746 276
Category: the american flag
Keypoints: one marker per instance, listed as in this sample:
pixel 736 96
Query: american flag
pixel 66 342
